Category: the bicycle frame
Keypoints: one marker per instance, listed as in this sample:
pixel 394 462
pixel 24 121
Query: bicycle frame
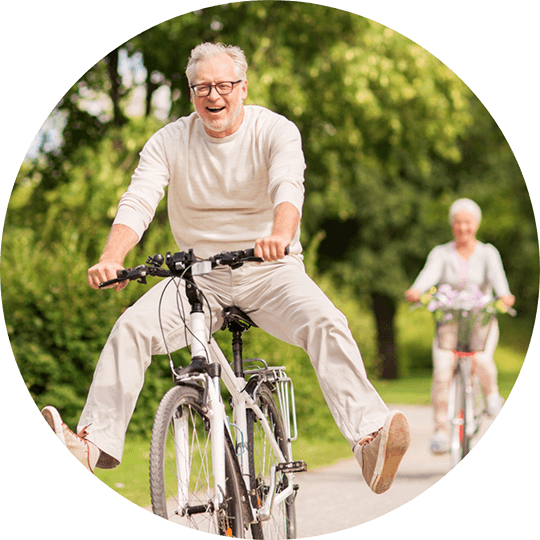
pixel 207 369
pixel 209 350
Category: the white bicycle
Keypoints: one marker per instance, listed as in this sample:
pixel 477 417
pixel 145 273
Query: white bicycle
pixel 226 474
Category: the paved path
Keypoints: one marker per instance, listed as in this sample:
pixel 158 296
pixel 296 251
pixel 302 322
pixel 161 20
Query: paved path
pixel 336 498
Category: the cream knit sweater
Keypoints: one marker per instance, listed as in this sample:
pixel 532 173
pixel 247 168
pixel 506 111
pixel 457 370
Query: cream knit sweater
pixel 221 192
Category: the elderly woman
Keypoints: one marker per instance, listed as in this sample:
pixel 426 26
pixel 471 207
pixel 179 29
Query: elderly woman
pixel 462 263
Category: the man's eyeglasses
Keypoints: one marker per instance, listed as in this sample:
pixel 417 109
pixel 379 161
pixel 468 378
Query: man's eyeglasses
pixel 222 88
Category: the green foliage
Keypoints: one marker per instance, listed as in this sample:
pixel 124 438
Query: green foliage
pixel 56 327
pixel 391 138
pixel 56 323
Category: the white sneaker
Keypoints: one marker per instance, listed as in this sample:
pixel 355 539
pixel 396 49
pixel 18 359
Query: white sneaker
pixel 494 403
pixel 85 451
pixel 440 444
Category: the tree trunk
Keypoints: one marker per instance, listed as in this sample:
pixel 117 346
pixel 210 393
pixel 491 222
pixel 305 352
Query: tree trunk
pixel 384 308
pixel 150 89
pixel 114 92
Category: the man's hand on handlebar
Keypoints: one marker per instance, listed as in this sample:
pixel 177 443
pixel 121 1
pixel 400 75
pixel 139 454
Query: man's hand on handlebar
pixel 271 248
pixel 104 271
pixel 107 275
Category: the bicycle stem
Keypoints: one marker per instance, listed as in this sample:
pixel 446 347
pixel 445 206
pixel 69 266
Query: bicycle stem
pixel 198 334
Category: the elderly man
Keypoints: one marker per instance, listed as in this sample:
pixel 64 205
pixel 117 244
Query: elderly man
pixel 235 180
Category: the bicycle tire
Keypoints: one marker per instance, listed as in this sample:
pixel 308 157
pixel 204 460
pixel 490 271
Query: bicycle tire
pixel 167 459
pixel 468 407
pixel 282 522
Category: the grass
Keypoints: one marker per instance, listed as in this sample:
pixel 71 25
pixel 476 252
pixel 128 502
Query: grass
pixel 415 331
pixel 130 478
pixel 413 390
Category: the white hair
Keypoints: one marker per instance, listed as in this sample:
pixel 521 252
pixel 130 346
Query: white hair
pixel 469 206
pixel 208 50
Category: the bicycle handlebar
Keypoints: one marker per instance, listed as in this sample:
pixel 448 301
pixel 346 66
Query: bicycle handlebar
pixel 183 264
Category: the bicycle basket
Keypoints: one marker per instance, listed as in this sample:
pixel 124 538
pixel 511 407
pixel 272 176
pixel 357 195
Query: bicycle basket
pixel 465 331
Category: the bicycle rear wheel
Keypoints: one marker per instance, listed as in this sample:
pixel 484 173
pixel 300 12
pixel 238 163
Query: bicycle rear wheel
pixel 282 522
pixel 181 478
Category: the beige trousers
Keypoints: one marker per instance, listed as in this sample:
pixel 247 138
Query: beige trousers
pixel 281 299
pixel 443 365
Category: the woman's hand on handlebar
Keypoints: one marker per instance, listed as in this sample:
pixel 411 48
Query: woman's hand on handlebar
pixel 508 300
pixel 413 295
pixel 104 271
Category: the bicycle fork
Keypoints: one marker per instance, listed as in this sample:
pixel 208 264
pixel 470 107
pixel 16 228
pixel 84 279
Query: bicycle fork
pixel 217 436
pixel 213 402
pixel 472 421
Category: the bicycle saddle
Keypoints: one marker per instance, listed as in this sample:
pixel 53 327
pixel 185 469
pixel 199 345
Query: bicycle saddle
pixel 233 314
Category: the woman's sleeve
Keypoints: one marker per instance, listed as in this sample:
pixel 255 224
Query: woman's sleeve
pixel 432 272
pixel 495 272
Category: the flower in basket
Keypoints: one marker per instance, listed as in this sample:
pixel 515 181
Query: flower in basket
pixel 445 299
pixel 467 310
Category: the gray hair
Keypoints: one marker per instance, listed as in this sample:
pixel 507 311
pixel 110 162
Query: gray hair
pixel 206 51
pixel 469 206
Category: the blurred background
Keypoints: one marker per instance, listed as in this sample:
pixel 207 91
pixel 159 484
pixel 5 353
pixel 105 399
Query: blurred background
pixel 391 137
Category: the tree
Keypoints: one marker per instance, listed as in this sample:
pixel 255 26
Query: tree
pixel 391 137
pixel 387 113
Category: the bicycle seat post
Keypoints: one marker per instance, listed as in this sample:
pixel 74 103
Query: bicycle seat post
pixel 237 347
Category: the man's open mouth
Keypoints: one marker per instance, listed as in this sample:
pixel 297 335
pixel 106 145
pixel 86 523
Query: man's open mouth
pixel 215 109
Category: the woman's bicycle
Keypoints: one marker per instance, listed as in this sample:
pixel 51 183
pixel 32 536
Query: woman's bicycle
pixel 463 322
pixel 227 476
pixel 466 406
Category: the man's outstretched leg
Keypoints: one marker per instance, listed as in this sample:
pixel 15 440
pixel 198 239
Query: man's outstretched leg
pixel 287 304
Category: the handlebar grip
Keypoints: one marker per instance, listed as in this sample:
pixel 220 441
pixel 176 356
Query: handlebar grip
pixel 251 252
pixel 121 275
pixel 110 282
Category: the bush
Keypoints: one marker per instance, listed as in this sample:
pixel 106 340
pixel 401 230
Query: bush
pixel 58 325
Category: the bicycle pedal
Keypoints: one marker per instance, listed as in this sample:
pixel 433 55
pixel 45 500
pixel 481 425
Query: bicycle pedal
pixel 292 466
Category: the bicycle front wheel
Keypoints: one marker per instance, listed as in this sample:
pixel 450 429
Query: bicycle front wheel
pixel 181 478
pixel 262 456
pixel 459 440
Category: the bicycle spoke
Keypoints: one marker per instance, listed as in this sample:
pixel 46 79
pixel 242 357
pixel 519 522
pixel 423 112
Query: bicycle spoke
pixel 181 470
